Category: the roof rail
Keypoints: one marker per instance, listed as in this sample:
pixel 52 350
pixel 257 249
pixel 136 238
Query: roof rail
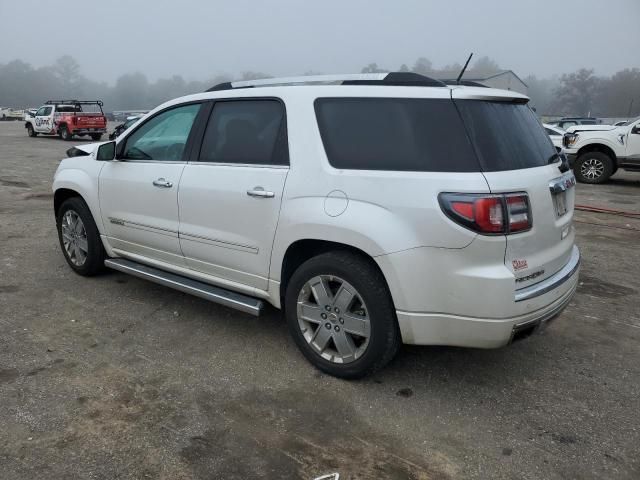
pixel 465 83
pixel 74 102
pixel 409 79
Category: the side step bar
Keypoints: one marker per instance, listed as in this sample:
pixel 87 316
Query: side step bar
pixel 219 295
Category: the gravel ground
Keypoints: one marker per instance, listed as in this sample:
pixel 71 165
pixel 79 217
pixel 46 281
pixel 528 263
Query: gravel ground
pixel 114 377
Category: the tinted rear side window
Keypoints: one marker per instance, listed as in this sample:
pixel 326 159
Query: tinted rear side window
pixel 401 134
pixel 507 136
pixel 246 132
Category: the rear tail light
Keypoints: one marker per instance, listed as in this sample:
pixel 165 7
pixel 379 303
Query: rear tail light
pixel 488 214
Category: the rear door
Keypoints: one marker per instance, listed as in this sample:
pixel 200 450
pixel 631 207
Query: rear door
pixel 230 193
pixel 516 155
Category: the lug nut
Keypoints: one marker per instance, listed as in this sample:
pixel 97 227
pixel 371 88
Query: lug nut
pixel 337 310
pixel 341 320
pixel 324 316
pixel 327 308
pixel 328 325
pixel 337 328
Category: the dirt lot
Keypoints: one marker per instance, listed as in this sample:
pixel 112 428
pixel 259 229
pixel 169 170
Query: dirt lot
pixel 114 377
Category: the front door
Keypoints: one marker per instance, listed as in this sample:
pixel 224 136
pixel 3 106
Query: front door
pixel 139 190
pixel 230 195
pixel 43 121
pixel 633 145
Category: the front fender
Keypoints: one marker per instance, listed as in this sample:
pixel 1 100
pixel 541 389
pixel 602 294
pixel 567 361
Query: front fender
pixel 81 175
pixel 612 144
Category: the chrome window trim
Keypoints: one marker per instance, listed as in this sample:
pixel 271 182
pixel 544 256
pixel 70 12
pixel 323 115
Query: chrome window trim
pixel 553 282
pixel 227 164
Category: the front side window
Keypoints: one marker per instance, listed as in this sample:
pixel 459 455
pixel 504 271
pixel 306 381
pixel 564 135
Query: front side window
pixel 43 112
pixel 163 137
pixel 246 132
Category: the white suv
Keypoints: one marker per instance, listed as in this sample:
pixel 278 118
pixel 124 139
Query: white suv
pixel 373 209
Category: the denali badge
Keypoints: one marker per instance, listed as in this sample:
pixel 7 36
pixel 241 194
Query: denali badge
pixel 519 265
pixel 531 276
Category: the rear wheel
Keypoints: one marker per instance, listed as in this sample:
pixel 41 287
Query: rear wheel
pixel 593 167
pixel 65 134
pixel 96 136
pixel 79 237
pixel 30 131
pixel 341 315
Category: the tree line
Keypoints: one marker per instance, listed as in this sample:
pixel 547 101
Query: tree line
pixel 577 93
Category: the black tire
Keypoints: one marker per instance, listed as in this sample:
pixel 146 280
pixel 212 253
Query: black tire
pixel 95 255
pixel 593 167
pixel 65 134
pixel 96 136
pixel 384 335
pixel 30 131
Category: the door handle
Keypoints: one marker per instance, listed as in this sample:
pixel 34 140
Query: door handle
pixel 260 193
pixel 162 183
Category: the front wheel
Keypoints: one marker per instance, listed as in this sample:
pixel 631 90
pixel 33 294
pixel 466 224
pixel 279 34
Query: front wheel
pixel 341 316
pixel 96 136
pixel 65 134
pixel 30 131
pixel 593 167
pixel 79 238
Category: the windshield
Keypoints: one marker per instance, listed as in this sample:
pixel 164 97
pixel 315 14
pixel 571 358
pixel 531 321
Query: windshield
pixel 506 136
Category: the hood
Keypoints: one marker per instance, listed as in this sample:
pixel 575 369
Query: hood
pixel 591 128
pixel 83 150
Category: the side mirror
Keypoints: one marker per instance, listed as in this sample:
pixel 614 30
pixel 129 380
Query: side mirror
pixel 106 152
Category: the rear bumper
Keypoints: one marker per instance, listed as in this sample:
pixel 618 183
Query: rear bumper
pixel 554 294
pixel 87 131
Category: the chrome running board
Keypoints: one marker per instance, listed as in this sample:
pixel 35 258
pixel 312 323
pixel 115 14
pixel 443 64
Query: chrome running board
pixel 219 295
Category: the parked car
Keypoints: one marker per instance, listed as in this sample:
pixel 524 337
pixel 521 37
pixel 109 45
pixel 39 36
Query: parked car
pixel 377 210
pixel 117 131
pixel 567 122
pixel 555 134
pixel 7 114
pixel 67 118
pixel 597 152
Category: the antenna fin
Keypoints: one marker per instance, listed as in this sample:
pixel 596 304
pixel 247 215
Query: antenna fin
pixel 464 69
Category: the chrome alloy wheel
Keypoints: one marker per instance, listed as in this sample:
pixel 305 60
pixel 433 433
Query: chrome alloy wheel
pixel 333 319
pixel 74 238
pixel 592 168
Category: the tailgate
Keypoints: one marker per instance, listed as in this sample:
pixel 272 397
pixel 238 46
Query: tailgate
pixel 542 251
pixel 90 120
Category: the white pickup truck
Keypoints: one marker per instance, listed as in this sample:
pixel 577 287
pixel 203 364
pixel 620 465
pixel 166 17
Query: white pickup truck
pixel 597 151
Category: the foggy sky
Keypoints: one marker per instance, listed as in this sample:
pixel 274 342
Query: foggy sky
pixel 199 39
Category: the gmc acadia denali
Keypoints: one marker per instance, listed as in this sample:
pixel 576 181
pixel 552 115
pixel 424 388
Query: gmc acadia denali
pixel 374 209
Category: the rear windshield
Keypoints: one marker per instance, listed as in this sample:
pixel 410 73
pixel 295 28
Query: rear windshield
pixel 400 134
pixel 431 135
pixel 506 136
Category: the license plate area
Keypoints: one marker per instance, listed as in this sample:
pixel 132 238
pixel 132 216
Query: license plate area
pixel 560 203
pixel 558 188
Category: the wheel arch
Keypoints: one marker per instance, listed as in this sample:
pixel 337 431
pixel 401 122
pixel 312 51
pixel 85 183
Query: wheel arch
pixel 73 182
pixel 602 148
pixel 304 249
